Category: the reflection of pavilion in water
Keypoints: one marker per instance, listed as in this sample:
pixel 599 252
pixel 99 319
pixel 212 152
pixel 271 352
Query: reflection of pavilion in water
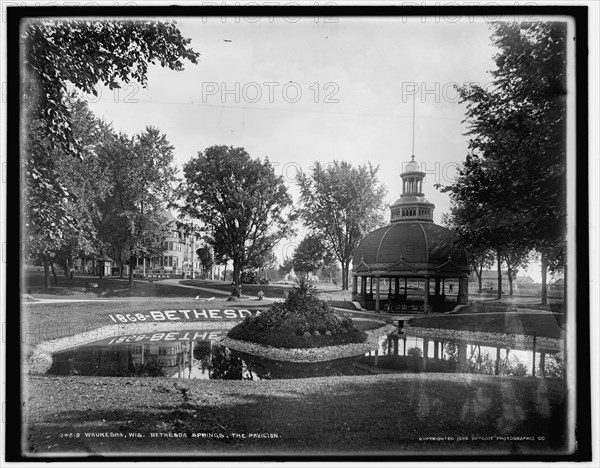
pixel 399 352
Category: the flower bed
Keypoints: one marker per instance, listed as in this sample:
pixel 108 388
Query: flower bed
pixel 310 354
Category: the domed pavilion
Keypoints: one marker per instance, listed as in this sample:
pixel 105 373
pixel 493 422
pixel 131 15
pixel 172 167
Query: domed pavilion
pixel 412 264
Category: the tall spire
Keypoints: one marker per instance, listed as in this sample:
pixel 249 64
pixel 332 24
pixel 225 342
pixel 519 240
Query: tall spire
pixel 413 132
pixel 412 204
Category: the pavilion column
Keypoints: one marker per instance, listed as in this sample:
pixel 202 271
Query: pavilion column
pixel 376 293
pixel 363 287
pixel 436 345
pixel 354 286
pixel 397 287
pixel 437 287
pixel 463 290
pixel 426 296
pixel 425 353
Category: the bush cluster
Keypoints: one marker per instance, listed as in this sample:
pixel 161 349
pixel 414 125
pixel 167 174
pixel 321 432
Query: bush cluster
pixel 302 312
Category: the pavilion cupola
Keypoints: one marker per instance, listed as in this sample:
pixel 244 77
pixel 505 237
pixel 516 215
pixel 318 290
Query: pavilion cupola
pixel 412 204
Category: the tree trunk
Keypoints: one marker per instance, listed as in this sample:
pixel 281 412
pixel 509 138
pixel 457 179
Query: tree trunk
pixel 66 267
pixel 499 259
pixel 131 257
pixel 121 268
pixel 345 275
pixel 479 278
pixel 46 273
pixel 53 272
pixel 237 285
pixel 544 285
pixel 510 281
pixel 225 272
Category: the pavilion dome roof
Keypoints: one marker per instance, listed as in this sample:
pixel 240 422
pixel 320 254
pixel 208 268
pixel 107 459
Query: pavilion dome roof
pixel 410 245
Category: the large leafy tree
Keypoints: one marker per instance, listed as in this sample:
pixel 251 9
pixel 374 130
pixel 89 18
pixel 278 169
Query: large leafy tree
pixel 71 196
pixel 516 171
pixel 87 183
pixel 340 205
pixel 242 202
pixel 59 55
pixel 142 173
pixel 84 53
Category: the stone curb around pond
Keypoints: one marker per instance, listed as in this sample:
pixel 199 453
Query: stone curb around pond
pixel 325 353
pixel 502 339
pixel 40 360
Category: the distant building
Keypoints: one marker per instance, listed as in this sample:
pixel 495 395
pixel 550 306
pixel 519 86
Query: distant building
pixel 524 280
pixel 178 257
pixel 488 276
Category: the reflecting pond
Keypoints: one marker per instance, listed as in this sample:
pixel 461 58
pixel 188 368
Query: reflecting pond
pixel 198 355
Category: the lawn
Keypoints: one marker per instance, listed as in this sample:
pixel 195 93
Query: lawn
pixel 385 414
pixel 55 320
pixel 108 288
pixel 518 323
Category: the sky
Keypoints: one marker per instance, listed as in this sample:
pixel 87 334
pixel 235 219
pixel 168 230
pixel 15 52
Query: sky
pixel 300 90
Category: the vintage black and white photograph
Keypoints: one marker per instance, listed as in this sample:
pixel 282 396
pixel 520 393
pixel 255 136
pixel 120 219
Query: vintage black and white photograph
pixel 280 232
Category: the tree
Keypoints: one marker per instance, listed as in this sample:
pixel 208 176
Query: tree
pixel 80 194
pixel 518 138
pixel 142 174
pixel 330 269
pixel 308 256
pixel 340 205
pixel 286 267
pixel 515 258
pixel 59 55
pixel 477 219
pixel 480 255
pixel 242 201
pixel 87 52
